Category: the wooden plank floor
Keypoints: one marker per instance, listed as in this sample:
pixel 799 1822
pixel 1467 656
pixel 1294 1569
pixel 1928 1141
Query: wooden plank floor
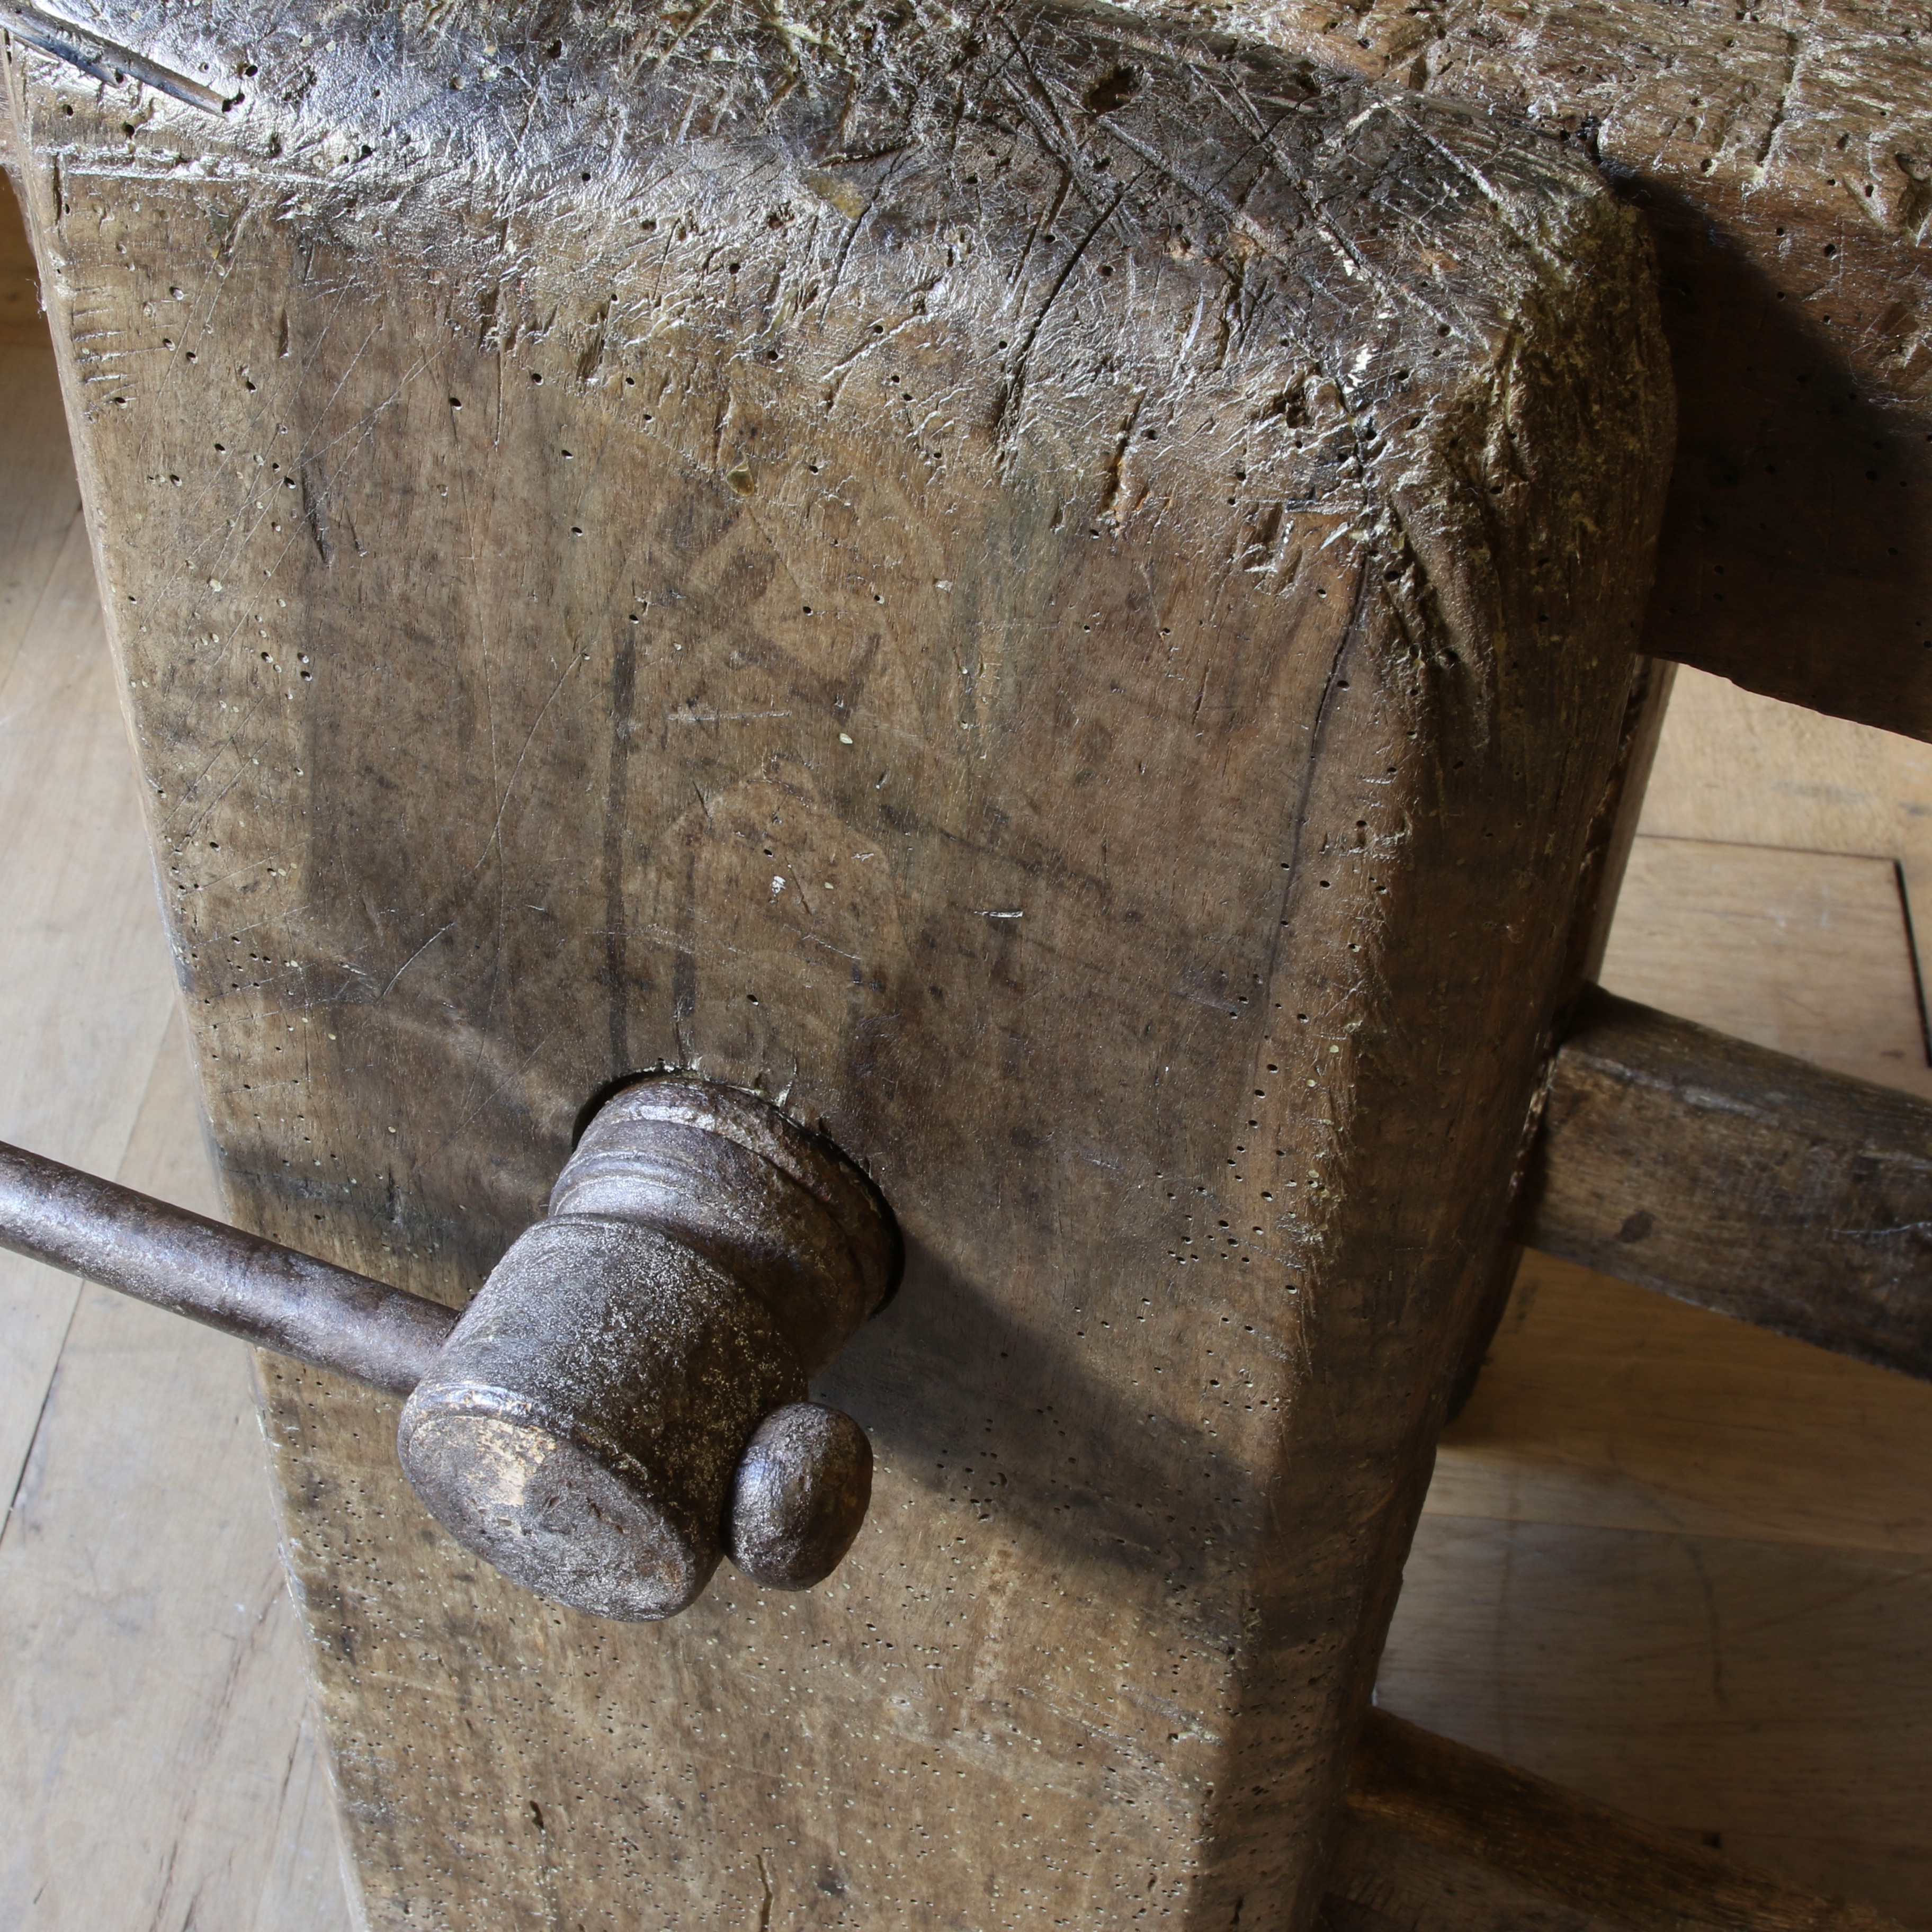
pixel 157 1766
pixel 1680 1565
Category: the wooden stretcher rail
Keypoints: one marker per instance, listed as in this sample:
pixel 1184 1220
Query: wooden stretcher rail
pixel 1739 1179
pixel 1437 1837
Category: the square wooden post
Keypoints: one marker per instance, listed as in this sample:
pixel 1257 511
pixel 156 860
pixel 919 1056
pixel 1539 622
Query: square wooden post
pixel 1060 599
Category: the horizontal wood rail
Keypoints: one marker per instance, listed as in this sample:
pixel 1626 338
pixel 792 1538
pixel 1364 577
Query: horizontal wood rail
pixel 1437 1837
pixel 1740 1179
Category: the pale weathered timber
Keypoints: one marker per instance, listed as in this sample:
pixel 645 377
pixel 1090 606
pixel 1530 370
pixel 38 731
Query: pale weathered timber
pixel 162 1767
pixel 1437 1837
pixel 1783 157
pixel 1062 599
pixel 1740 1179
pixel 79 915
pixel 122 1650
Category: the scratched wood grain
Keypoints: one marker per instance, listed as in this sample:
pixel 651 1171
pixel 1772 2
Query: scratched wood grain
pixel 1063 601
pixel 1784 161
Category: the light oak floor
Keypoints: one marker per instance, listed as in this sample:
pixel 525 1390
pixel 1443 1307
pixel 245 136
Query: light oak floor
pixel 1679 1564
pixel 157 1769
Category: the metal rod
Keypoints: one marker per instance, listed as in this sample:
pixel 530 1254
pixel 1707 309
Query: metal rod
pixel 269 1294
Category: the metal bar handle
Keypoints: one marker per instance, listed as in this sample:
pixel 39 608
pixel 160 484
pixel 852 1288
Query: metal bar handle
pixel 329 1317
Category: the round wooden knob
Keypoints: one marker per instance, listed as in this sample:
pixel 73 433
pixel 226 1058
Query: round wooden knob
pixel 581 1428
pixel 624 1399
pixel 799 1495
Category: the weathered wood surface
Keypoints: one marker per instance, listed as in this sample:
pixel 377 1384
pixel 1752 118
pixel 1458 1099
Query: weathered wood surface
pixel 1437 1837
pixel 1740 1179
pixel 1621 813
pixel 1606 851
pixel 162 1767
pixel 1063 600
pixel 1784 157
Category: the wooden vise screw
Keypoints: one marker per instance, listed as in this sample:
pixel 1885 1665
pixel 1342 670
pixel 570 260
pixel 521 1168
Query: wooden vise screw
pixel 624 1399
